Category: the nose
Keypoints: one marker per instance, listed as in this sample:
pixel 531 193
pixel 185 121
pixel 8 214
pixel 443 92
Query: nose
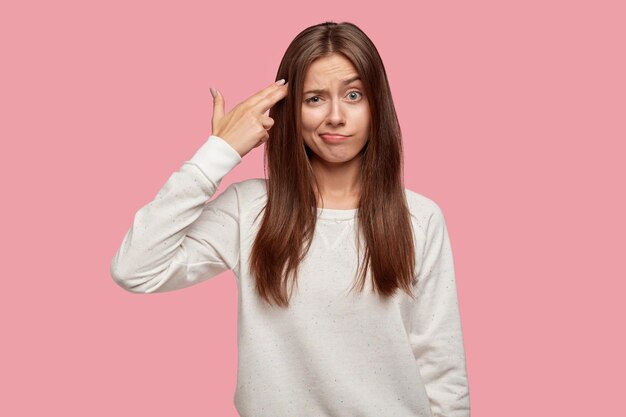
pixel 336 114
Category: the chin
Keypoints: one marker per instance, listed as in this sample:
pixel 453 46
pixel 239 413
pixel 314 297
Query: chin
pixel 338 160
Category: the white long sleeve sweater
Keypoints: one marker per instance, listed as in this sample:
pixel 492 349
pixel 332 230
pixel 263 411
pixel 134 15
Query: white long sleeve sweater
pixel 331 353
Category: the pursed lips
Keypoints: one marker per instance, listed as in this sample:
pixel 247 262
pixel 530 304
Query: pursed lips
pixel 333 138
pixel 333 135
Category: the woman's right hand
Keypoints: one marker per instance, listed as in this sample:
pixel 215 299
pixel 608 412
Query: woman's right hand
pixel 245 126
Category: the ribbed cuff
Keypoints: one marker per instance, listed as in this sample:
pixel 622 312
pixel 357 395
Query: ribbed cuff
pixel 216 158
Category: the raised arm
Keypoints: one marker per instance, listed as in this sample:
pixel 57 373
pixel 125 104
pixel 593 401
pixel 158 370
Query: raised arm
pixel 436 333
pixel 178 239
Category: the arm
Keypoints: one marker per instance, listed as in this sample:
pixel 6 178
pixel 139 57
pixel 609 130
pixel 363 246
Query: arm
pixel 178 239
pixel 436 334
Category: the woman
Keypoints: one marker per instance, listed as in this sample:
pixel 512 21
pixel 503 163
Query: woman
pixel 308 344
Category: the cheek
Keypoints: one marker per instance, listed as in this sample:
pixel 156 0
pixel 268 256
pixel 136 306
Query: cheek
pixel 362 115
pixel 310 120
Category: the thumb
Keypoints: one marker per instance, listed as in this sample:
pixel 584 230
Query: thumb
pixel 218 106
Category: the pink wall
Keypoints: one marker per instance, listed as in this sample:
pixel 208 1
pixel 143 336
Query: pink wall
pixel 514 121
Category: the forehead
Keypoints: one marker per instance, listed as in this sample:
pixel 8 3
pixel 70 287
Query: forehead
pixel 329 69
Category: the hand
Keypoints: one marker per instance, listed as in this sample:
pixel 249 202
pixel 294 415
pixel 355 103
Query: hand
pixel 245 126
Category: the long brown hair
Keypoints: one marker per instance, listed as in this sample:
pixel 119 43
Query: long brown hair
pixel 290 214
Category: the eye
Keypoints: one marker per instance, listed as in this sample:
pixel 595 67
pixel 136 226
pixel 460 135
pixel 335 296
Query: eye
pixel 353 92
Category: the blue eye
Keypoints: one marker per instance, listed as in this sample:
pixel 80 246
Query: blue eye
pixel 358 92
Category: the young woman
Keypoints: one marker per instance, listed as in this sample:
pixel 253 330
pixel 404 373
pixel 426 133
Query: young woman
pixel 347 293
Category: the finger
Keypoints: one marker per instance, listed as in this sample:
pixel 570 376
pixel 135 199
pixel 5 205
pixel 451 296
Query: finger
pixel 267 122
pixel 218 107
pixel 266 98
pixel 271 99
pixel 254 98
pixel 262 140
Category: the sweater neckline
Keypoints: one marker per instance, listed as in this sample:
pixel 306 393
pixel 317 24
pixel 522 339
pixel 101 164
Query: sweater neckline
pixel 336 214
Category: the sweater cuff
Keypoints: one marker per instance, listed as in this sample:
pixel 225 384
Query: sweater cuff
pixel 216 158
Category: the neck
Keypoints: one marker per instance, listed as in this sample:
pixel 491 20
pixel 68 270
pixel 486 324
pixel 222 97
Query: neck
pixel 339 183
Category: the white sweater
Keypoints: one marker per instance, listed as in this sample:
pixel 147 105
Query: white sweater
pixel 331 353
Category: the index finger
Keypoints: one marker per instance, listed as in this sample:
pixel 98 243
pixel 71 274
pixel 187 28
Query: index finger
pixel 266 98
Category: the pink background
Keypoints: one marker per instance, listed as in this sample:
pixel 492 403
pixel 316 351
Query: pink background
pixel 514 121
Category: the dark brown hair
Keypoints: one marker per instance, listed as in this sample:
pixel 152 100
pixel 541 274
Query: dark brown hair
pixel 290 214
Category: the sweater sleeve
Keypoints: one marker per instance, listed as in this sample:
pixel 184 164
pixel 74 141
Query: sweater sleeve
pixel 436 333
pixel 181 238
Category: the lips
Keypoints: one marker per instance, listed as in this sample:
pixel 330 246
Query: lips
pixel 333 137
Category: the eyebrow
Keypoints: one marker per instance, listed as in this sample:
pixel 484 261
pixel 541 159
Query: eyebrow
pixel 345 82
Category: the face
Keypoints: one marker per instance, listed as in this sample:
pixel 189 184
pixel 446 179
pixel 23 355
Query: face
pixel 334 102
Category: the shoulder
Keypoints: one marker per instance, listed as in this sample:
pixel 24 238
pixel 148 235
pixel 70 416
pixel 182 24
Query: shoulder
pixel 251 193
pixel 423 209
pixel 251 187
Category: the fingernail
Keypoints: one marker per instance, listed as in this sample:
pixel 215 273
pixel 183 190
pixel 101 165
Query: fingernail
pixel 213 93
pixel 280 82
